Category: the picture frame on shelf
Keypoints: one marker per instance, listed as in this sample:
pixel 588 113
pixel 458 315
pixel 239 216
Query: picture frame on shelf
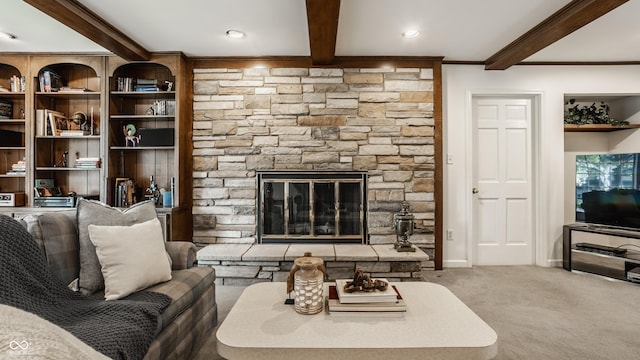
pixel 56 123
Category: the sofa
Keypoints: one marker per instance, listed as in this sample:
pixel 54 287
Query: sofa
pixel 192 309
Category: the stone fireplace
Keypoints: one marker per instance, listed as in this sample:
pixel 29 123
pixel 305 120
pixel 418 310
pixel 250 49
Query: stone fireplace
pixel 312 207
pixel 251 124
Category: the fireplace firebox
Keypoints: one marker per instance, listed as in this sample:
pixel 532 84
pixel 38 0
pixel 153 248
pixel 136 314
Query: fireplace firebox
pixel 312 207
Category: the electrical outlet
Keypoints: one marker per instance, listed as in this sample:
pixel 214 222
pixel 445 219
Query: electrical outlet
pixel 449 234
pixel 449 159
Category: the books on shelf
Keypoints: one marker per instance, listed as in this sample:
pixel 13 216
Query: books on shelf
pixel 146 85
pixel 87 163
pixel 73 89
pixel 50 81
pixel 389 295
pixel 18 83
pixel 74 133
pixel 124 84
pixel 6 109
pixel 164 107
pixel 19 168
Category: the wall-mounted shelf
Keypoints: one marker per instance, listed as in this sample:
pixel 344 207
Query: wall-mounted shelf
pixel 598 127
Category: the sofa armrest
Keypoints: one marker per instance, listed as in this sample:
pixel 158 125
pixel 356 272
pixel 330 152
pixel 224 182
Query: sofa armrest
pixel 182 253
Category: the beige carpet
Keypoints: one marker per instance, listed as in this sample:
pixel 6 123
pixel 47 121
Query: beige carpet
pixel 538 313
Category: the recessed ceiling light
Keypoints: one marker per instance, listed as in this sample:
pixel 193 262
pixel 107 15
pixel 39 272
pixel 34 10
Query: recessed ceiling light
pixel 235 34
pixel 8 35
pixel 411 33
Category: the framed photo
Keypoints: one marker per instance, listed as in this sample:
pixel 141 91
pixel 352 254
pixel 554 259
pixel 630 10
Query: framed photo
pixel 56 122
pixel 48 191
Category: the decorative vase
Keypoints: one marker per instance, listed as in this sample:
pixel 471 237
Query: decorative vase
pixel 306 279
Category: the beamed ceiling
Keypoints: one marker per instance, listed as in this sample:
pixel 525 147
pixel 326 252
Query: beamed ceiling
pixel 495 33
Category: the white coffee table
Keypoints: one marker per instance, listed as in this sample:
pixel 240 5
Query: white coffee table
pixel 437 325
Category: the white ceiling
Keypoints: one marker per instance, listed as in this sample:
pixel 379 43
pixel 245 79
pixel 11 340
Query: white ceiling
pixel 459 30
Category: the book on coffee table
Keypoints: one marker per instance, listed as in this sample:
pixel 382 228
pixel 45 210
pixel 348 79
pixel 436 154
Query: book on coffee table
pixel 367 314
pixel 388 295
pixel 334 304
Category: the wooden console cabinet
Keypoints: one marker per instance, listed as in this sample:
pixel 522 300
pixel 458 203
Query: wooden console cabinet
pixel 611 266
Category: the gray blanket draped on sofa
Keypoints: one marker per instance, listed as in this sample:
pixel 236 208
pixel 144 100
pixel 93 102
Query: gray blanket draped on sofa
pixel 120 329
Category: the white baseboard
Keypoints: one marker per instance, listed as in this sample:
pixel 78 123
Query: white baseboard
pixel 455 263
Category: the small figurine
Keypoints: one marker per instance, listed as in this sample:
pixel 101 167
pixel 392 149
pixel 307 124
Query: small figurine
pixel 131 140
pixel 363 283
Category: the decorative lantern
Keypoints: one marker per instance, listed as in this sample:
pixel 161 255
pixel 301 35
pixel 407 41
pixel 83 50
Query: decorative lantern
pixel 403 226
pixel 306 280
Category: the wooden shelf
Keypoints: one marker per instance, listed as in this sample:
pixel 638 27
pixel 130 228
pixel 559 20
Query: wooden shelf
pixel 138 148
pixel 83 137
pixel 145 94
pixel 65 169
pixel 598 127
pixel 13 121
pixel 142 117
pixel 70 95
pixel 11 95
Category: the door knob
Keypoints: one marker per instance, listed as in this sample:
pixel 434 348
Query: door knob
pixel 475 190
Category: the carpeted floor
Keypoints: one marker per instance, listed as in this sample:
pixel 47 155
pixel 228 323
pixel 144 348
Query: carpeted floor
pixel 538 313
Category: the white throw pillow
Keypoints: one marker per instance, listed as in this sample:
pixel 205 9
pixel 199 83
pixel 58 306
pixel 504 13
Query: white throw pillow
pixel 132 257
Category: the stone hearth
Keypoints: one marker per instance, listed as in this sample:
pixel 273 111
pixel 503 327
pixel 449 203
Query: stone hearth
pixel 244 264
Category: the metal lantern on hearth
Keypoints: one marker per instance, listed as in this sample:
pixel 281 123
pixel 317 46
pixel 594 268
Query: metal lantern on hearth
pixel 403 226
pixel 306 280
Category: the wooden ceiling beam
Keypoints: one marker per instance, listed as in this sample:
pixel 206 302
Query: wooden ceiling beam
pixel 570 18
pixel 79 18
pixel 322 19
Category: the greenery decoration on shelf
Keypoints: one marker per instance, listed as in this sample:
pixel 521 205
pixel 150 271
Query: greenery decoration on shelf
pixel 583 115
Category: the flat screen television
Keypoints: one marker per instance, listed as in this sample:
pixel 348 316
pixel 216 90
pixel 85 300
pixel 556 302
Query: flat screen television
pixel 608 190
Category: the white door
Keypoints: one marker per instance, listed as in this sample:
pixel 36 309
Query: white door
pixel 502 173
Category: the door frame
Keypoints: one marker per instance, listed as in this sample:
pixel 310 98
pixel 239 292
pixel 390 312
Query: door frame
pixel 540 247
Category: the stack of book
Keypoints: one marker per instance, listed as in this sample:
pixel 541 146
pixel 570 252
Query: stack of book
pixel 146 85
pixel 88 163
pixel 73 89
pixel 19 168
pixel 376 303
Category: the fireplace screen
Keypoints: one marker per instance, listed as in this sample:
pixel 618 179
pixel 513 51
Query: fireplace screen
pixel 320 207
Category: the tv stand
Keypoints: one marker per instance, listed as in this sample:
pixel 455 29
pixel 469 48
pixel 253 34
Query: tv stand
pixel 602 250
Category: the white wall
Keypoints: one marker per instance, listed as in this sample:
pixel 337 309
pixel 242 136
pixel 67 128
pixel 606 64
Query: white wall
pixel 551 82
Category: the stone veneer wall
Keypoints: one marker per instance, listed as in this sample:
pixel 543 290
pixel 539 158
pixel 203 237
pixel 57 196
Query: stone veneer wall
pixel 379 120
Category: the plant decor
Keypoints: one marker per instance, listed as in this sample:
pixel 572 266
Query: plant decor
pixel 593 114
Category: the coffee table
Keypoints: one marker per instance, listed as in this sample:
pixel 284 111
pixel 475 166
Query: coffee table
pixel 437 325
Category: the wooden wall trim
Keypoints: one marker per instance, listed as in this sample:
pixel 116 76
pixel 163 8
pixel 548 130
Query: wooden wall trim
pixel 306 62
pixel 563 22
pixel 87 23
pixel 439 159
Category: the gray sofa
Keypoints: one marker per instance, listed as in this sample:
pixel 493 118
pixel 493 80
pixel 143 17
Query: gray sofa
pixel 183 323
